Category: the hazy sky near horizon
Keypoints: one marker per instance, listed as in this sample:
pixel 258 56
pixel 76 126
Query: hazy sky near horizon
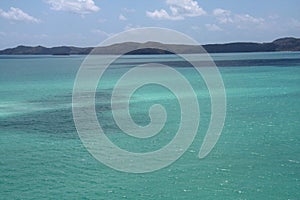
pixel 88 22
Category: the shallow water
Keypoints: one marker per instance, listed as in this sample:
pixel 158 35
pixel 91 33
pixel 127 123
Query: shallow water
pixel 257 156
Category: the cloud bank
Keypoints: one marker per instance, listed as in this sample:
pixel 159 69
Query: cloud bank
pixel 75 6
pixel 179 10
pixel 17 14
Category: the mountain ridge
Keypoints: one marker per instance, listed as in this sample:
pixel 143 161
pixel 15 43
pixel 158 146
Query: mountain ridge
pixel 281 44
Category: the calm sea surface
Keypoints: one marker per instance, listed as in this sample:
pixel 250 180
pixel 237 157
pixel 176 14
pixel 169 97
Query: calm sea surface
pixel 256 157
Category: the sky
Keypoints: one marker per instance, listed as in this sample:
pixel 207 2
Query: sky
pixel 88 22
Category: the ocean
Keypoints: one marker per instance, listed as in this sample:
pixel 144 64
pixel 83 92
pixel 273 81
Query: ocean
pixel 256 157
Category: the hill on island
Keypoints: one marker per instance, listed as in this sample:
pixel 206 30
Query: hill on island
pixel 282 44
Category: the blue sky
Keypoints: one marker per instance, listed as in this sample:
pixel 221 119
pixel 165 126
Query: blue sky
pixel 88 22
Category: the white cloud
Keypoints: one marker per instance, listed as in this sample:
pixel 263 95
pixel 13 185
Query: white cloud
pixel 223 16
pixel 101 33
pixel 179 10
pixel 274 17
pixel 131 27
pixel 213 27
pixel 122 17
pixel 76 6
pixel 188 8
pixel 17 14
pixel 248 18
pixel 226 17
pixel 129 10
pixel 162 14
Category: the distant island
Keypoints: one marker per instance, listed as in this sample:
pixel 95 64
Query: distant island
pixel 282 44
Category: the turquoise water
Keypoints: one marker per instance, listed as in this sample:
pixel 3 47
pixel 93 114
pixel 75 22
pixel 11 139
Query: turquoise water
pixel 257 156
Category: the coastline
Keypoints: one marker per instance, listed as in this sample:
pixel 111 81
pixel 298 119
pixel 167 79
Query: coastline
pixel 288 44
